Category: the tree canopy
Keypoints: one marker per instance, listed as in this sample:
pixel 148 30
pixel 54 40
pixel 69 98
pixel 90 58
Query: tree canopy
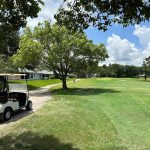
pixel 59 50
pixel 6 65
pixel 13 13
pixel 13 16
pixel 9 43
pixel 80 14
pixel 30 51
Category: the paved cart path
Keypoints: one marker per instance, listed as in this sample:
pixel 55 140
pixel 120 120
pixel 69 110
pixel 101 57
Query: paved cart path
pixel 38 98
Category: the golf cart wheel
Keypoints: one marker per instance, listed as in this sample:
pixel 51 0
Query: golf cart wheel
pixel 29 105
pixel 7 114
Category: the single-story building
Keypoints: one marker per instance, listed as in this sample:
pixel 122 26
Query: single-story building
pixel 36 75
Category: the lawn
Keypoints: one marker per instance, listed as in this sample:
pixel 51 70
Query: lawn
pixel 35 84
pixel 94 114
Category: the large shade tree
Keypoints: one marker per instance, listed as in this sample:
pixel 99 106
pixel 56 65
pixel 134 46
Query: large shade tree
pixel 6 65
pixel 80 14
pixel 13 16
pixel 30 51
pixel 13 13
pixel 59 50
pixel 9 43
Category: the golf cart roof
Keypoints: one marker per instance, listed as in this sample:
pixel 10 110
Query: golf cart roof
pixel 3 74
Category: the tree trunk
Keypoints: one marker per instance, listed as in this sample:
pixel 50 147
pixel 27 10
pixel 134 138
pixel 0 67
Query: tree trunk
pixel 145 76
pixel 64 84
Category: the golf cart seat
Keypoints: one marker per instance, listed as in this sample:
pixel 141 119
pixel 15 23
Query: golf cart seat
pixel 3 97
pixel 21 97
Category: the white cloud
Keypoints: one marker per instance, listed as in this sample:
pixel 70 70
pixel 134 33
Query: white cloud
pixel 47 12
pixel 124 52
pixel 146 51
pixel 143 33
pixel 121 50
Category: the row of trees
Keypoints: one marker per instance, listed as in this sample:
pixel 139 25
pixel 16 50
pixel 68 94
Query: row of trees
pixel 117 70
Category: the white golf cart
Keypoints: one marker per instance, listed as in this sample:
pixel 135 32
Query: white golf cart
pixel 13 96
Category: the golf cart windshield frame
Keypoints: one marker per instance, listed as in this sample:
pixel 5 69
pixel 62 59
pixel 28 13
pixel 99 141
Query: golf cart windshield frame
pixel 4 84
pixel 3 90
pixel 14 88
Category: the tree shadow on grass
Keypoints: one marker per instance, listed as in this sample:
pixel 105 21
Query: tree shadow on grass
pixel 33 141
pixel 83 91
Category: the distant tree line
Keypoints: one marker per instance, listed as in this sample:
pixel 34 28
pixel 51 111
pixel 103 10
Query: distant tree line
pixel 115 70
pixel 118 71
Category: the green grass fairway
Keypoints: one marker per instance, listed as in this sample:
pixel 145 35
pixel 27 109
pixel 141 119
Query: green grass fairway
pixel 35 84
pixel 94 114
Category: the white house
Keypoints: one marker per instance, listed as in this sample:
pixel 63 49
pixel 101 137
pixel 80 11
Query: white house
pixel 35 75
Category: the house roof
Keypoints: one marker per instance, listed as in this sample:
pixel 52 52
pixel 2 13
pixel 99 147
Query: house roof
pixel 36 71
pixel 4 74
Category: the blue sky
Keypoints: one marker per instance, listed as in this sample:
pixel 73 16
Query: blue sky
pixel 101 37
pixel 127 33
pixel 128 46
